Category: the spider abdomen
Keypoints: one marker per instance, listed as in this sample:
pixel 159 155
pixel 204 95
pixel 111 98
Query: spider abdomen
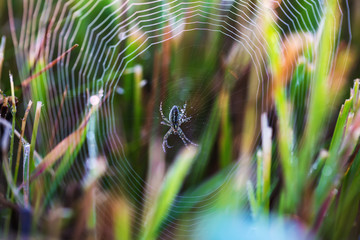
pixel 174 116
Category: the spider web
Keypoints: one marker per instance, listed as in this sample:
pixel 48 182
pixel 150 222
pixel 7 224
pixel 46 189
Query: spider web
pixel 166 51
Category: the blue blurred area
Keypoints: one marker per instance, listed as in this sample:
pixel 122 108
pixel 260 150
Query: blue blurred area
pixel 227 226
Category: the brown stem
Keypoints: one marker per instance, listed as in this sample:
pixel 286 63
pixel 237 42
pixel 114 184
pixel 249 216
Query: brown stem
pixel 27 81
pixel 23 125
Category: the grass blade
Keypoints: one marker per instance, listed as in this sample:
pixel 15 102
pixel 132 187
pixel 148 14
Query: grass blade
pixel 34 135
pixel 70 141
pixel 13 112
pixel 23 125
pixel 169 189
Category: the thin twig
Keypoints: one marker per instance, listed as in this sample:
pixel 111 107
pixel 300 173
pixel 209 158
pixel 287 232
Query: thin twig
pixel 23 125
pixel 27 81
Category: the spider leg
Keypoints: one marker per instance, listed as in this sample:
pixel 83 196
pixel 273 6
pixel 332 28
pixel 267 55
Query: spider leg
pixel 183 110
pixel 165 143
pixel 185 119
pixel 184 138
pixel 165 123
pixel 162 114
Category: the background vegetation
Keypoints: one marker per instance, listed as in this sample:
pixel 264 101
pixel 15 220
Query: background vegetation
pixel 269 86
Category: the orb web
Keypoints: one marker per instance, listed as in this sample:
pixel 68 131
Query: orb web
pixel 131 50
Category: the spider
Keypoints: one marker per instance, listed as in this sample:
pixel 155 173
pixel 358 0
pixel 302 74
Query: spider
pixel 177 117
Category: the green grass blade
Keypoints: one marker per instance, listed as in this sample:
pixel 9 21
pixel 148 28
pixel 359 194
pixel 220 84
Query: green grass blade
pixel 326 179
pixel 169 189
pixel 225 130
pixel 319 97
pixel 13 112
pixel 34 135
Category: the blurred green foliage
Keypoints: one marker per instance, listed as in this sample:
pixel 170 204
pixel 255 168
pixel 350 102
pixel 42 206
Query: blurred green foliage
pixel 263 89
